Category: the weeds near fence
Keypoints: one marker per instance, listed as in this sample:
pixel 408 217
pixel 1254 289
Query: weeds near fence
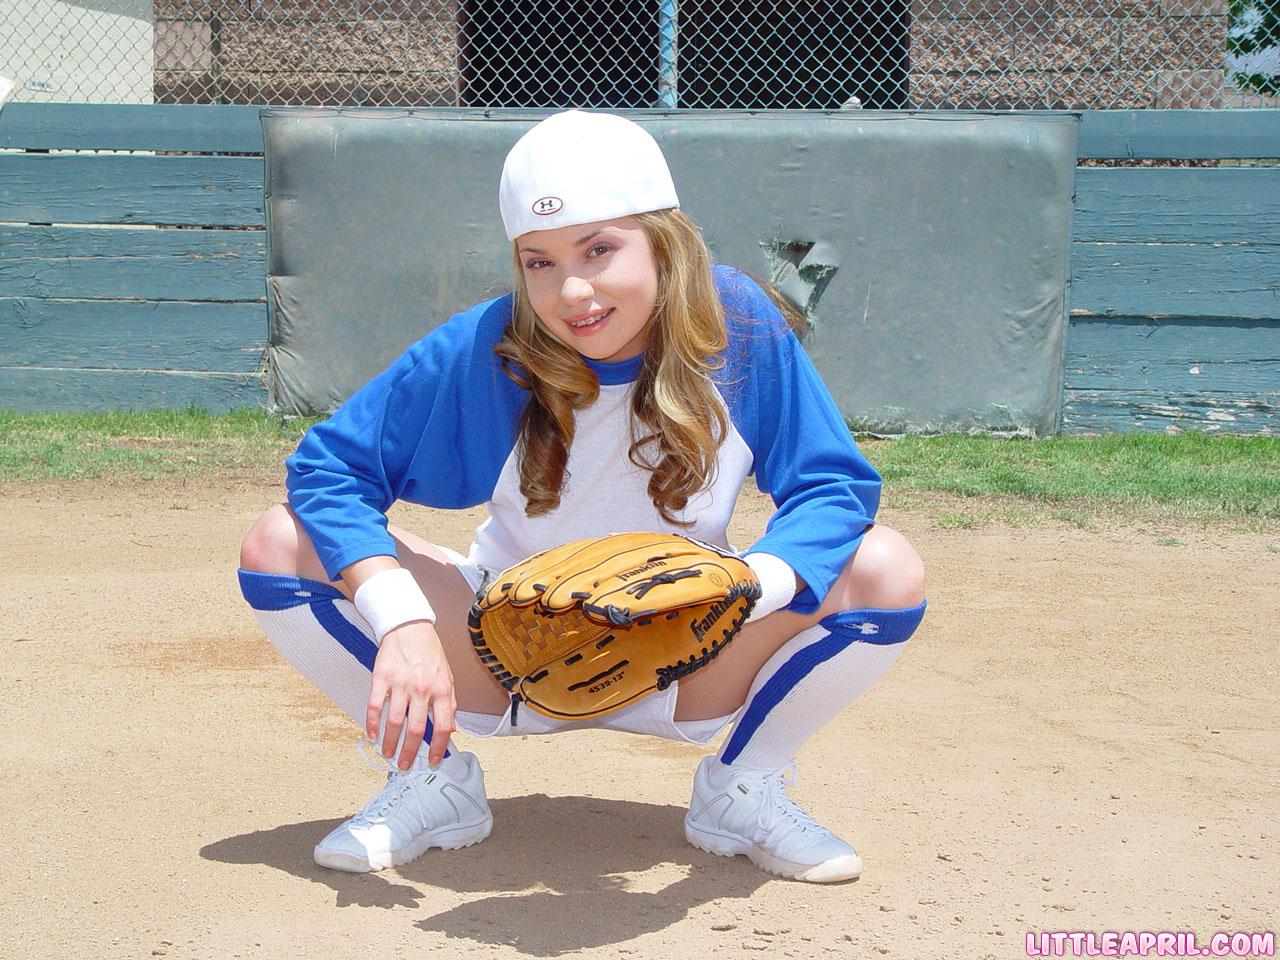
pixel 148 445
pixel 1192 475
pixel 1016 481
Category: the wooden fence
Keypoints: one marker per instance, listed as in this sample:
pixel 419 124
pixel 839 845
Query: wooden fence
pixel 1175 276
pixel 161 301
pixel 137 279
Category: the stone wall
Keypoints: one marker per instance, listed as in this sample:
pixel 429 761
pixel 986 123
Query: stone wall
pixel 1068 54
pixel 368 52
pixel 992 54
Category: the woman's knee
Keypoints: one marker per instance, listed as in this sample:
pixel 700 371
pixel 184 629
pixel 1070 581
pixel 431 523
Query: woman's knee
pixel 885 573
pixel 271 545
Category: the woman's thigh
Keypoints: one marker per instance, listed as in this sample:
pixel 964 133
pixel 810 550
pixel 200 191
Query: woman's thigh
pixel 721 687
pixel 884 572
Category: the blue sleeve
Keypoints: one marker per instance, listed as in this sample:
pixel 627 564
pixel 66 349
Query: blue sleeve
pixel 401 437
pixel 825 491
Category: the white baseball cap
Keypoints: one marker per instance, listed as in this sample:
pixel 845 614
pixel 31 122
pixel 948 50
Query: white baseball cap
pixel 577 167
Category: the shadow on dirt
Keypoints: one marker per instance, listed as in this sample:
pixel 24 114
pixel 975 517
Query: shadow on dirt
pixel 558 874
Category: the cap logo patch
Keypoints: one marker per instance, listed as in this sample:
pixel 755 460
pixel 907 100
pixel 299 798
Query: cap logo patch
pixel 547 206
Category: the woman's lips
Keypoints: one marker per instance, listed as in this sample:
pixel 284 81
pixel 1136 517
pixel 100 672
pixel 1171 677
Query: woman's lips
pixel 581 329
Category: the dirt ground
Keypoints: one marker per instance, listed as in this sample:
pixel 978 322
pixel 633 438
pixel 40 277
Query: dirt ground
pixel 1083 736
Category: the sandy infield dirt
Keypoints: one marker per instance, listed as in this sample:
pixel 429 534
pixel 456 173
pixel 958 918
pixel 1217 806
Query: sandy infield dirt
pixel 1083 736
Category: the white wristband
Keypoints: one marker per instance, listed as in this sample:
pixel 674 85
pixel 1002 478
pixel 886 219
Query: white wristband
pixel 777 583
pixel 392 598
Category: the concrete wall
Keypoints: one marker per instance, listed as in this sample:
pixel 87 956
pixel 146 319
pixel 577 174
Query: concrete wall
pixel 90 52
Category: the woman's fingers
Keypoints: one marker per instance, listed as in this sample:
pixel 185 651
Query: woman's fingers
pixel 396 709
pixel 442 711
pixel 373 713
pixel 412 677
pixel 413 732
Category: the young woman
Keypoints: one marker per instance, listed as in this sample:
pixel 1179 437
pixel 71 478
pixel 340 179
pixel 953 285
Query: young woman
pixel 626 384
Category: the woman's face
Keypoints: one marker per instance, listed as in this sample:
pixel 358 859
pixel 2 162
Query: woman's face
pixel 593 286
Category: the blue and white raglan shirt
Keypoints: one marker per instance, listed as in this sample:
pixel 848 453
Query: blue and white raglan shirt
pixel 439 428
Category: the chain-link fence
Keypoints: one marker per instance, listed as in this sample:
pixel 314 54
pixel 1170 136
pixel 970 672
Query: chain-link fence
pixel 811 54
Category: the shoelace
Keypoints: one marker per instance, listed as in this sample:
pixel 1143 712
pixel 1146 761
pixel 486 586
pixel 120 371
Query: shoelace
pixel 776 800
pixel 389 796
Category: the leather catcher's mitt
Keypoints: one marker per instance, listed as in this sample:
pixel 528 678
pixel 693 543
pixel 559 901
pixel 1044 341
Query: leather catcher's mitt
pixel 584 629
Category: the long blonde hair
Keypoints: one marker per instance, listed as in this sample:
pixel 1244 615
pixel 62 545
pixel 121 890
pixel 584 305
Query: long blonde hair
pixel 678 420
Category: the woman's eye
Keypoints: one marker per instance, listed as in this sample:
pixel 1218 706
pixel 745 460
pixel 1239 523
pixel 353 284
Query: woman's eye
pixel 536 264
pixel 600 249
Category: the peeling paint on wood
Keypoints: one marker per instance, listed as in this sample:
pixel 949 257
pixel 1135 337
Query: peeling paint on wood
pixel 1125 411
pixel 27 389
pixel 135 263
pixel 113 188
pixel 84 334
pixel 1170 279
pixel 1178 205
pixel 1189 373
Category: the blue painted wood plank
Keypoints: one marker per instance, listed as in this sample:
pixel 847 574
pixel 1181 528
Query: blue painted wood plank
pixel 1140 134
pixel 28 389
pixel 1135 374
pixel 1179 356
pixel 1179 134
pixel 1169 279
pixel 138 263
pixel 133 335
pixel 1150 411
pixel 98 126
pixel 122 188
pixel 1178 205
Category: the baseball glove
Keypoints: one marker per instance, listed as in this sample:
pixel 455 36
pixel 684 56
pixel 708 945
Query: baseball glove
pixel 584 629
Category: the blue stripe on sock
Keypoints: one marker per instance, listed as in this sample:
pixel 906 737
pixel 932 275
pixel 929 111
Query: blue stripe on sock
pixel 272 591
pixel 353 641
pixel 345 632
pixel 881 627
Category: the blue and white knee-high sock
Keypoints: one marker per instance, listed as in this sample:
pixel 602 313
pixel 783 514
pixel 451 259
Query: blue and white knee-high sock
pixel 320 633
pixel 810 679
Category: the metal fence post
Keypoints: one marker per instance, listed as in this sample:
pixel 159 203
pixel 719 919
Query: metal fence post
pixel 668 74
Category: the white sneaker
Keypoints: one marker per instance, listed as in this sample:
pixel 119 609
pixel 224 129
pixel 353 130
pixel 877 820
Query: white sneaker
pixel 744 811
pixel 419 808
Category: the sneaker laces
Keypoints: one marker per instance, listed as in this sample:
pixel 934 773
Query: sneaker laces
pixel 778 801
pixel 375 760
pixel 389 797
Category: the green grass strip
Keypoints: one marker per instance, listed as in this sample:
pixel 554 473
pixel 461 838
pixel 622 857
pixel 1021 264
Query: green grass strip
pixel 1187 474
pixel 151 444
pixel 1192 475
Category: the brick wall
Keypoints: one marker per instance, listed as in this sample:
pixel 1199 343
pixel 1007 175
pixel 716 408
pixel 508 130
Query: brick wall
pixel 997 54
pixel 377 52
pixel 1068 54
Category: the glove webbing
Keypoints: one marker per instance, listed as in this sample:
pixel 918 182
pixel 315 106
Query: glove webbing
pixel 622 616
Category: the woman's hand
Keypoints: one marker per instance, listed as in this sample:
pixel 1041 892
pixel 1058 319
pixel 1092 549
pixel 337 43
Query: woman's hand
pixel 411 676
